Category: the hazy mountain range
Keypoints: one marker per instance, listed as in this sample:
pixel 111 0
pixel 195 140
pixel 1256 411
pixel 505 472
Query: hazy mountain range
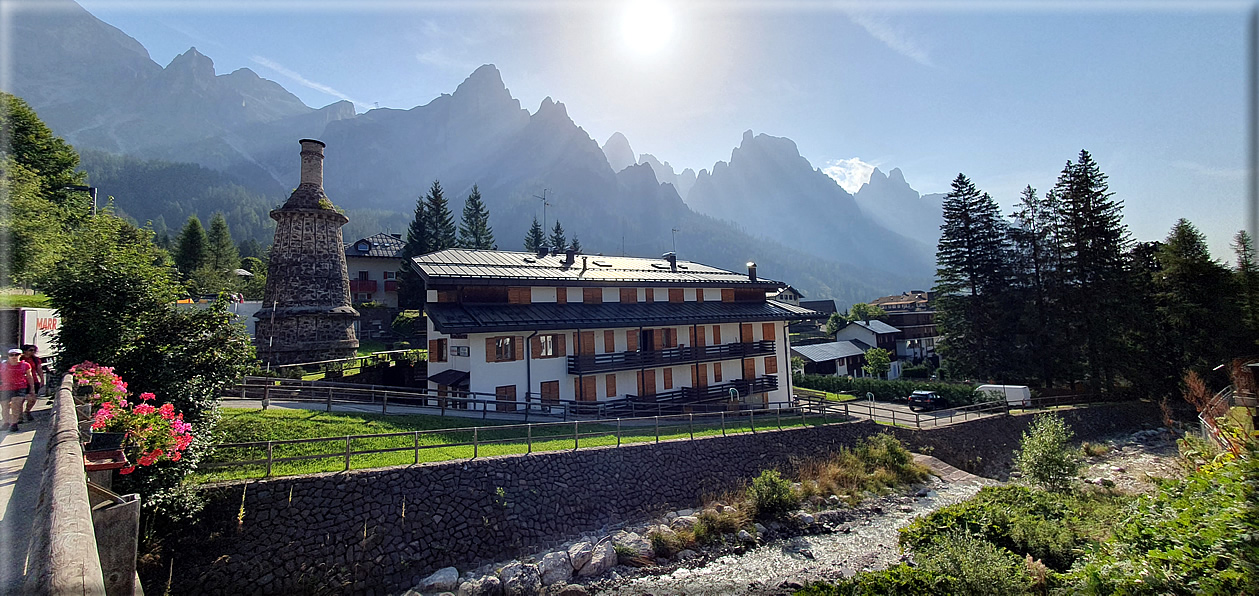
pixel 99 89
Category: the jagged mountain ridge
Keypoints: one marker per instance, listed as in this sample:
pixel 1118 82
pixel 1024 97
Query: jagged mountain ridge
pixel 383 159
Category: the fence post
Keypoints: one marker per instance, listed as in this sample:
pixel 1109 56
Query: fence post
pixel 803 421
pixel 723 423
pixel 618 432
pixel 330 401
pixel 384 403
pixel 657 429
pixel 243 382
pixel 474 442
pixel 529 437
pixel 266 396
pixel 347 453
pixel 417 446
pixel 918 420
pixel 752 420
pixel 575 435
pixel 268 459
pixel 691 423
pixel 778 412
pixel 846 410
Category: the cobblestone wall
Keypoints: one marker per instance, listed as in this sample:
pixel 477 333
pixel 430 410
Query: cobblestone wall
pixel 373 531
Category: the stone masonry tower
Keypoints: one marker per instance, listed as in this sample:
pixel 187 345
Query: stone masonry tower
pixel 306 314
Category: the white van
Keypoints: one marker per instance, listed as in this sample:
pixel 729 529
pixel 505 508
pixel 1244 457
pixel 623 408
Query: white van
pixel 1015 395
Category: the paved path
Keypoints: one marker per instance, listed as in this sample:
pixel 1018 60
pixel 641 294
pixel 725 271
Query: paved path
pixel 949 473
pixel 21 471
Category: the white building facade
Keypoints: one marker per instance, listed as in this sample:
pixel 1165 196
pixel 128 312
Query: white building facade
pixel 593 329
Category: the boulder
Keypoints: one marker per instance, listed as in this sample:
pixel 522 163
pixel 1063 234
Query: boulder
pixel 759 528
pixel 684 522
pixel 687 554
pixel 445 579
pixel 744 536
pixel 520 579
pixel 685 512
pixel 555 568
pixel 488 585
pixel 805 518
pixel 579 554
pixel 632 540
pixel 602 558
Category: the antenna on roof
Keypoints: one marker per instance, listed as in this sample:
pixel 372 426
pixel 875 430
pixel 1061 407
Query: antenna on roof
pixel 544 204
pixel 675 240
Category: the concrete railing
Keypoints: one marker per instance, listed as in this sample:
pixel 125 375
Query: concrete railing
pixel 63 556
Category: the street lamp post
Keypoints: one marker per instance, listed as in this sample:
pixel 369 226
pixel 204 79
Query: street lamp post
pixel 91 190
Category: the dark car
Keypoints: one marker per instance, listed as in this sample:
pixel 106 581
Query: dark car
pixel 925 400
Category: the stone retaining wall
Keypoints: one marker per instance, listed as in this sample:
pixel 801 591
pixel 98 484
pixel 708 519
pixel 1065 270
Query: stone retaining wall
pixel 377 531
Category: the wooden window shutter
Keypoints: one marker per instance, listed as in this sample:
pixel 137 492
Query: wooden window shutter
pixel 649 382
pixel 749 368
pixel 535 346
pixel 716 335
pixel 745 333
pixel 518 295
pixel 671 336
pixel 489 348
pixel 609 341
pixel 592 295
pixel 701 376
pixel 649 294
pixel 699 336
pixel 588 388
pixel 561 295
pixel 518 347
pixel 587 343
pixel 675 295
pixel 716 372
pixel 668 378
pixel 577 388
pixel 629 295
pixel 771 365
pixel 727 294
pixel 631 340
pixel 550 391
pixel 657 338
pixel 436 353
pixel 699 294
pixel 769 331
pixel 559 345
pixel 611 382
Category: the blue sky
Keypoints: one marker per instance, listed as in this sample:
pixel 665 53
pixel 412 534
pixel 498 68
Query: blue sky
pixel 1005 92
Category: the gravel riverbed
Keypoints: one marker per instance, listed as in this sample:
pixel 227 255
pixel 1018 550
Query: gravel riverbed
pixel 865 542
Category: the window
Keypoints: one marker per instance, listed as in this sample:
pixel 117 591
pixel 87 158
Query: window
pixel 519 295
pixel 699 294
pixel 716 335
pixel 547 346
pixel 390 274
pixel 649 294
pixel 437 350
pixel 676 295
pixel 727 294
pixel 460 351
pixel 592 295
pixel 503 348
pixel 362 276
pixel 561 295
pixel 609 341
pixel 629 295
pixel 768 332
pixel 505 396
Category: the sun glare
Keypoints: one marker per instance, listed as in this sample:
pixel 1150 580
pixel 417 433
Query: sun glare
pixel 647 26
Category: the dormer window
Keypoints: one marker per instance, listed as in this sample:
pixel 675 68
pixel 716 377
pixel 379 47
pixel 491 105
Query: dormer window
pixel 363 246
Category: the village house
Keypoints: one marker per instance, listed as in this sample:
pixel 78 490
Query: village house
pixel 914 315
pixel 372 264
pixel 552 328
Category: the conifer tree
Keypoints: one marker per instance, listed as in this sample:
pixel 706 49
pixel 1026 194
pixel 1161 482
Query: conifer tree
pixel 191 248
pixel 557 239
pixel 440 222
pixel 410 286
pixel 221 253
pixel 1247 274
pixel 1035 267
pixel 536 237
pixel 474 230
pixel 575 246
pixel 971 272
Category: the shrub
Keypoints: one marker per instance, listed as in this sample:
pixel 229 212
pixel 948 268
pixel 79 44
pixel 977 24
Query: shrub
pixel 666 544
pixel 1094 449
pixel 772 496
pixel 901 580
pixel 408 323
pixel 711 524
pixel 878 462
pixel 919 371
pixel 976 566
pixel 1044 456
pixel 954 394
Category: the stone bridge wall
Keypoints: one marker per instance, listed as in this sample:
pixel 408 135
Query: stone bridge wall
pixel 378 531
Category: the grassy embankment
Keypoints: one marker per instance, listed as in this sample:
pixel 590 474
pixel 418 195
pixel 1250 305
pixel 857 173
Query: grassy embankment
pixel 247 426
pixel 23 300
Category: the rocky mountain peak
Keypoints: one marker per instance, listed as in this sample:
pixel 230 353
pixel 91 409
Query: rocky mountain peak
pixel 192 61
pixel 617 150
pixel 485 83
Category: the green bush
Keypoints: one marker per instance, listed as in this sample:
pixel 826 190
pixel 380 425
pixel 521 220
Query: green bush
pixel 772 496
pixel 1045 456
pixel 919 371
pixel 975 566
pixel 901 580
pixel 666 544
pixel 954 394
pixel 408 323
pixel 710 525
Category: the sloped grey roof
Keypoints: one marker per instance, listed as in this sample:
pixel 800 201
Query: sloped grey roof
pixel 496 266
pixel 831 351
pixel 825 307
pixel 378 245
pixel 452 317
pixel 877 326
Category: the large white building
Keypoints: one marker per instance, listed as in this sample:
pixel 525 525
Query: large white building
pixel 565 327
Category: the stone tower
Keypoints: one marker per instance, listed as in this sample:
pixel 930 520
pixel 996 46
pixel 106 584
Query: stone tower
pixel 306 314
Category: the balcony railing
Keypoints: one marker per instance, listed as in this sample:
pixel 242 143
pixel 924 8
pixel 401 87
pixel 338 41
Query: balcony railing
pixel 667 401
pixel 391 285
pixel 363 285
pixel 670 356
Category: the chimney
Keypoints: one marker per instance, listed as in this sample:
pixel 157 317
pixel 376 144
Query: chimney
pixel 312 162
pixel 673 260
pixel 543 250
pixel 583 264
pixel 751 271
pixel 570 255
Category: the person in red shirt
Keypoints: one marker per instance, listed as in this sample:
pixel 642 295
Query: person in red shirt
pixel 30 355
pixel 17 383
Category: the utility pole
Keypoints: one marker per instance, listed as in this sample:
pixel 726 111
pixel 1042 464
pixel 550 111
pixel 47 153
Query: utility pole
pixel 544 205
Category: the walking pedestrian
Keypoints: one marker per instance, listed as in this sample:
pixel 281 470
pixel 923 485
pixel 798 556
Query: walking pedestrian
pixel 17 383
pixel 30 355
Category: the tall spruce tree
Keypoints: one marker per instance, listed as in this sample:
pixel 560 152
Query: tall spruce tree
pixel 440 222
pixel 220 251
pixel 192 247
pixel 535 238
pixel 557 239
pixel 474 230
pixel 1038 350
pixel 575 245
pixel 1093 240
pixel 410 286
pixel 971 272
pixel 1247 273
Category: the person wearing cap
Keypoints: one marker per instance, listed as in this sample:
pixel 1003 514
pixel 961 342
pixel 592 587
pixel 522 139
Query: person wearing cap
pixel 17 383
pixel 30 355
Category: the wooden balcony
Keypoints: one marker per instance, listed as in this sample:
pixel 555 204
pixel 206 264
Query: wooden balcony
pixel 598 363
pixel 363 285
pixel 710 394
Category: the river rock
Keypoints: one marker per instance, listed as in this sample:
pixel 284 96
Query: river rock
pixel 641 545
pixel 685 522
pixel 744 536
pixel 685 512
pixel 759 528
pixel 520 579
pixel 602 558
pixel 579 554
pixel 729 509
pixel 488 585
pixel 570 590
pixel 833 500
pixel 687 554
pixel 805 518
pixel 670 516
pixel 555 568
pixel 445 579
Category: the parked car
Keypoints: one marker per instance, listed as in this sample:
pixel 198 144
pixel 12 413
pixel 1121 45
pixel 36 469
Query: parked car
pixel 925 400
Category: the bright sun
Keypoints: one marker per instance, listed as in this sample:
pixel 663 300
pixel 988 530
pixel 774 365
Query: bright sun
pixel 647 26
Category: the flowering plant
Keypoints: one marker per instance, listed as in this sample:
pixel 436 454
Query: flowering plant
pixel 152 433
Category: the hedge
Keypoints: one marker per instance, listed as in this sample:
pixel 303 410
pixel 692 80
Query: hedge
pixel 953 394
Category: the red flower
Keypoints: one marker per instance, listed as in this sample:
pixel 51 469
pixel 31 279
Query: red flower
pixel 127 470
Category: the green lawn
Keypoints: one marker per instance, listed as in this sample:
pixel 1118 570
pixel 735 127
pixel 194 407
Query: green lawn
pixel 246 426
pixel 23 301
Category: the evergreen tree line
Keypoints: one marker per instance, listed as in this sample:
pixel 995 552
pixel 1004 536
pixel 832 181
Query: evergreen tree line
pixel 208 261
pixel 433 228
pixel 535 238
pixel 1060 294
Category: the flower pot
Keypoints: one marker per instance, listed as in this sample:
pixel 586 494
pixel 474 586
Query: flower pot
pixel 105 441
pixel 83 394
